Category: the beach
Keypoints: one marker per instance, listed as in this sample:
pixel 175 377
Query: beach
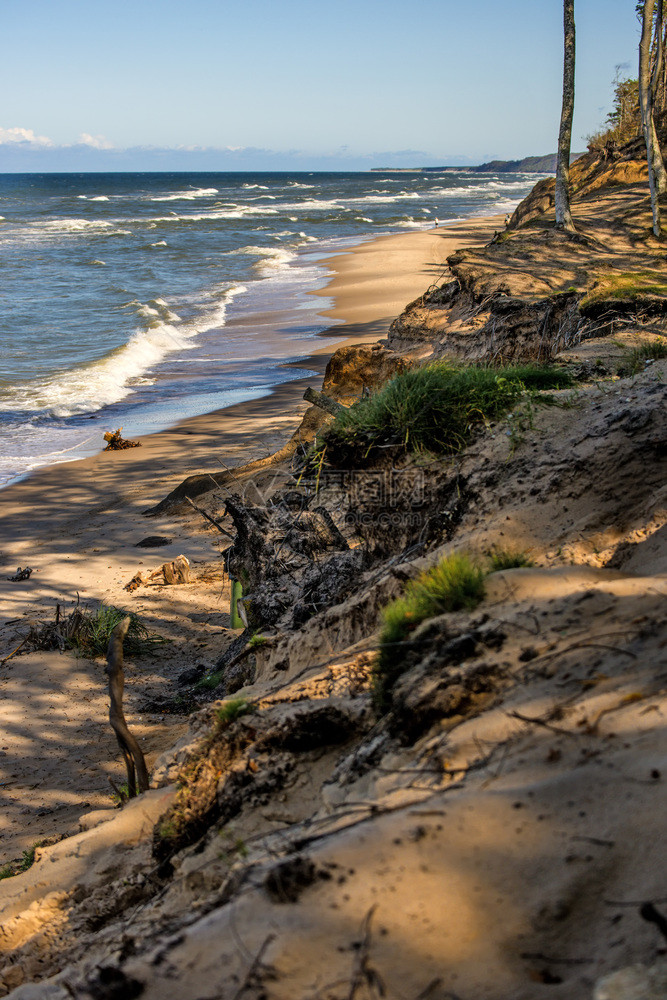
pixel 77 525
pixel 426 761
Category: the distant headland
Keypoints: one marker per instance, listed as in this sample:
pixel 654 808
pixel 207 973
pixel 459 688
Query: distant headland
pixel 528 165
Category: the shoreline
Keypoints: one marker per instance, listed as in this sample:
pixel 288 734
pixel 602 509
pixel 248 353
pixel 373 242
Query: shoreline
pixel 365 304
pixel 77 525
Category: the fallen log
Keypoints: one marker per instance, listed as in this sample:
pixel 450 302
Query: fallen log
pixel 135 764
pixel 325 403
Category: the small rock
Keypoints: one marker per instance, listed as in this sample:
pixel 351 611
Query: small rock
pixel 153 542
pixel 192 675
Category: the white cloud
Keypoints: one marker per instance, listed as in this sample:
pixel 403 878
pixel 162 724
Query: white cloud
pixel 13 135
pixel 96 141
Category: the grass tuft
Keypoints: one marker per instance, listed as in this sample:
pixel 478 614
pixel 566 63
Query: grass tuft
pixel 508 559
pixel 26 862
pixel 210 682
pixel 92 636
pixel 233 709
pixel 436 408
pixel 645 351
pixel 453 584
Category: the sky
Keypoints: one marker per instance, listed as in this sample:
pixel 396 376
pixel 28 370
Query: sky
pixel 298 84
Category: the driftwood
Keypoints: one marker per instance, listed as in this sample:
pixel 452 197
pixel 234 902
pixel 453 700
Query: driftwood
pixel 117 443
pixel 134 758
pixel 174 572
pixel 325 403
pixel 21 574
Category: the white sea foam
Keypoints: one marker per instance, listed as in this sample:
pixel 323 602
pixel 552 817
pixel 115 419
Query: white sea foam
pixel 273 258
pixel 413 223
pixel 189 195
pixel 237 212
pixel 111 378
pixel 160 243
pixel 255 187
pixel 59 226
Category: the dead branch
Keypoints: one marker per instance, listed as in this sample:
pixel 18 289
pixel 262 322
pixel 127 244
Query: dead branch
pixel 628 699
pixel 255 966
pixel 208 517
pixel 363 972
pixel 134 758
pixel 13 652
pixel 325 403
pixel 540 722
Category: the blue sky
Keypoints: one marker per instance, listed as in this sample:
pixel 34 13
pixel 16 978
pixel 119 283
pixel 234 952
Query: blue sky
pixel 300 84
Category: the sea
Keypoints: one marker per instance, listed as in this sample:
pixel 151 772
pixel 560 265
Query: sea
pixel 139 299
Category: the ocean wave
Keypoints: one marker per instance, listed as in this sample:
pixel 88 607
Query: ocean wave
pixel 189 195
pixel 110 379
pixel 58 226
pixel 296 184
pixel 255 187
pixel 487 187
pixel 238 212
pixel 273 258
pixel 414 224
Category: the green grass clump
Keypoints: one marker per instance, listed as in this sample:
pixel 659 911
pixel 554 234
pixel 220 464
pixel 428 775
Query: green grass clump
pixel 625 286
pixel 508 559
pixel 453 584
pixel 233 709
pixel 645 350
pixel 210 682
pixel 29 857
pixel 436 408
pixel 91 636
pixel 26 862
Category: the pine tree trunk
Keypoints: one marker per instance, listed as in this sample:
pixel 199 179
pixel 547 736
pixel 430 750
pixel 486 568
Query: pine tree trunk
pixel 563 216
pixel 657 177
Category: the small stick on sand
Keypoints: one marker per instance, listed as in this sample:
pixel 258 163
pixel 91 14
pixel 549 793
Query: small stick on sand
pixel 134 758
pixel 13 652
pixel 211 519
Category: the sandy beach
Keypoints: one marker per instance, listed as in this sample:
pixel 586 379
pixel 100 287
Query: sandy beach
pixel 77 526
